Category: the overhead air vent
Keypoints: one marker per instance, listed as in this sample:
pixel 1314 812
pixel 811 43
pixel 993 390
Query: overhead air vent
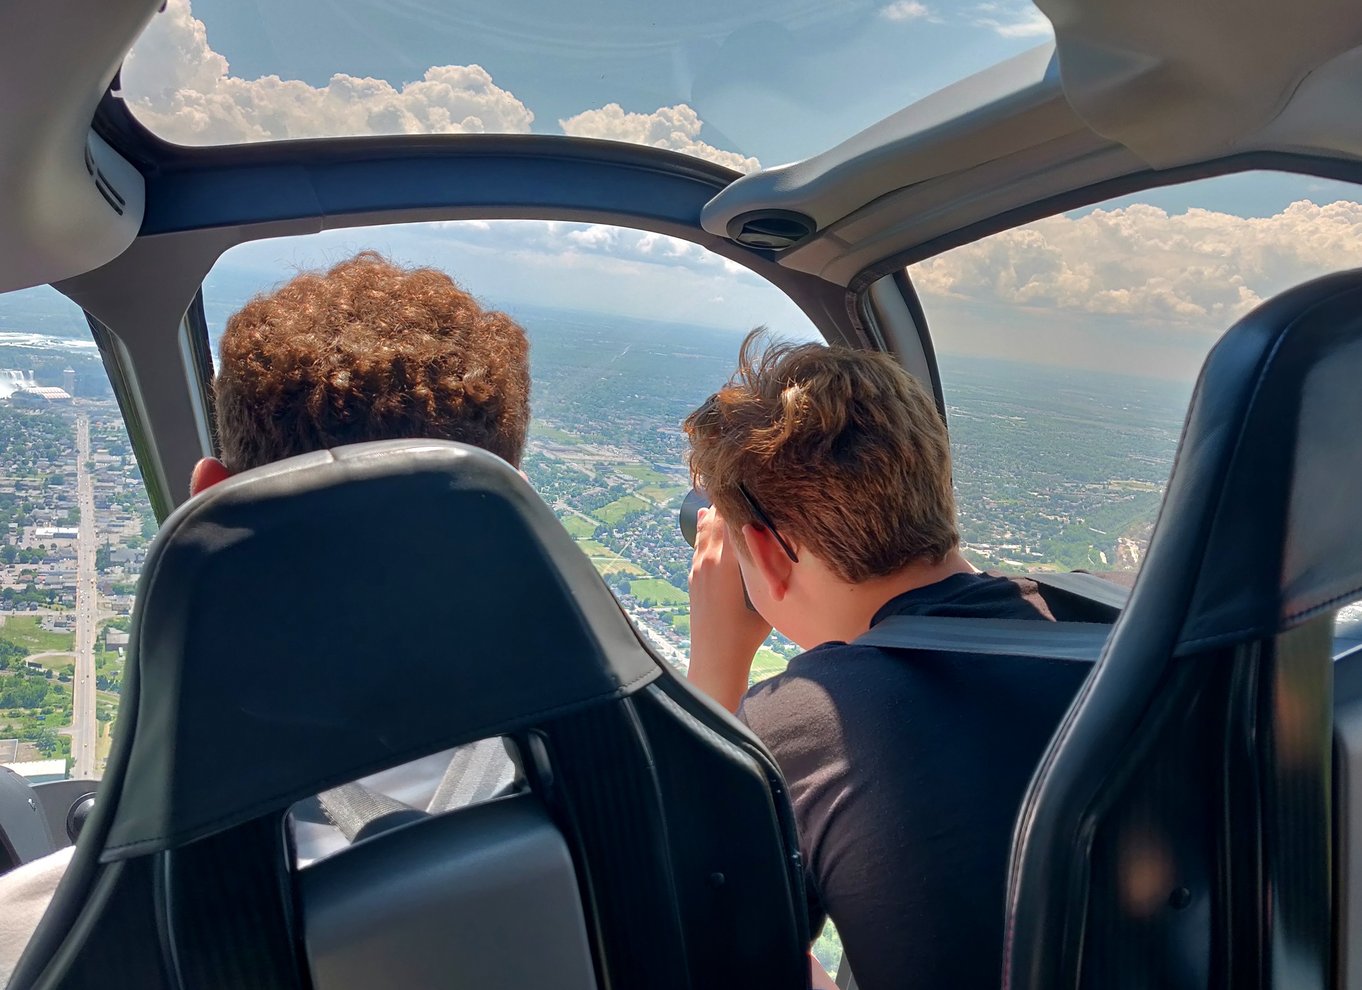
pixel 774 229
pixel 103 184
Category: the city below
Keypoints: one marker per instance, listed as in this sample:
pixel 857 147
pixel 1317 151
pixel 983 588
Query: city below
pixel 1054 469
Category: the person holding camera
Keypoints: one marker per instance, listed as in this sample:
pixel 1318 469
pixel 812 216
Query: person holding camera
pixel 829 473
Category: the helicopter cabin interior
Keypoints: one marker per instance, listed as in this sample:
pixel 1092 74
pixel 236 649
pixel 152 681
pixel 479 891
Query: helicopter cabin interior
pixel 1127 235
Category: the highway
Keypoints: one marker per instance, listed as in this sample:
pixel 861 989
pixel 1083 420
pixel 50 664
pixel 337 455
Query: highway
pixel 87 599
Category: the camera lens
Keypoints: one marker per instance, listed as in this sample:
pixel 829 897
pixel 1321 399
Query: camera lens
pixel 690 514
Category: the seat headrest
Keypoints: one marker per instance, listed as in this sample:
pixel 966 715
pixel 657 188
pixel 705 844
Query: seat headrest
pixel 308 622
pixel 1259 529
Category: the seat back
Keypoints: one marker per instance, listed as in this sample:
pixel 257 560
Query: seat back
pixel 308 623
pixel 1348 820
pixel 1177 833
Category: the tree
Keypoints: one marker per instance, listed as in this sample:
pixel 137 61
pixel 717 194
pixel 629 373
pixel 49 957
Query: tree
pixel 46 741
pixel 24 692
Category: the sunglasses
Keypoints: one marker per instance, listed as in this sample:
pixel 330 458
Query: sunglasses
pixel 709 408
pixel 765 521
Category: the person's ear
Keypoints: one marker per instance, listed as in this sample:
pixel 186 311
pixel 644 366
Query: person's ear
pixel 769 560
pixel 207 473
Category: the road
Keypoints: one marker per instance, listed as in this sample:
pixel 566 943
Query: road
pixel 87 606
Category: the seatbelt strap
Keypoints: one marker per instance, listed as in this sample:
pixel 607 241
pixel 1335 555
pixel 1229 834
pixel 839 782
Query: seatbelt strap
pixel 1088 586
pixel 1002 637
pixel 360 812
pixel 477 772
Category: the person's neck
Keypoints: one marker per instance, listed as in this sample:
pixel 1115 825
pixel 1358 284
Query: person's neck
pixel 850 607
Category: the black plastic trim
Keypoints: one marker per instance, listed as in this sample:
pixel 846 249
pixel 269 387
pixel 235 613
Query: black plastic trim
pixel 201 359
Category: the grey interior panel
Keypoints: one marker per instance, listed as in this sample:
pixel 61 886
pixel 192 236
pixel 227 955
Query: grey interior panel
pixel 68 202
pixel 24 831
pixel 58 797
pixel 1348 819
pixel 899 333
pixel 485 897
pixel 1178 82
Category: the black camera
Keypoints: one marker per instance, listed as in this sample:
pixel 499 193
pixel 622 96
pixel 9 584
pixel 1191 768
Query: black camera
pixel 689 522
pixel 691 505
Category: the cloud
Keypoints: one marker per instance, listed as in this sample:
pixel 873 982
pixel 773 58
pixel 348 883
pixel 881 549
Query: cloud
pixel 564 240
pixel 514 264
pixel 1197 269
pixel 677 127
pixel 1012 19
pixel 905 10
pixel 183 90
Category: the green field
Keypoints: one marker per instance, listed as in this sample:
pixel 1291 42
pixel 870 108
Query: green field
pixel 655 591
pixel 618 509
pixel 553 433
pixel 617 565
pixel 606 560
pixel 768 663
pixel 577 527
pixel 25 632
pixel 643 472
pixel 664 495
pixel 681 623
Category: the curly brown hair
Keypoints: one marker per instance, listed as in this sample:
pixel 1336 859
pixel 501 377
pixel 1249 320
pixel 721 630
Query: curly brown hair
pixel 842 448
pixel 369 351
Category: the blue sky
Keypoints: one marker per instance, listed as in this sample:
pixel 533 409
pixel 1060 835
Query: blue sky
pixel 774 79
pixel 1143 283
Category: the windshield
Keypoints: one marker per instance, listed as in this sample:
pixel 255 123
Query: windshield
pixel 744 85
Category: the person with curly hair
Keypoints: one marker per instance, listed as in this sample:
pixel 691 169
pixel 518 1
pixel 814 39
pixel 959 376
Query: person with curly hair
pixel 829 470
pixel 366 351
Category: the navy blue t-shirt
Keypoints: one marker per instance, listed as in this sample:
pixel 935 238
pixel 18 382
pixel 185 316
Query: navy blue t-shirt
pixel 906 771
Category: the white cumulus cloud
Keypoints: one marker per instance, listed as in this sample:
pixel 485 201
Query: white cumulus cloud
pixel 677 128
pixel 1012 19
pixel 905 10
pixel 1200 269
pixel 183 90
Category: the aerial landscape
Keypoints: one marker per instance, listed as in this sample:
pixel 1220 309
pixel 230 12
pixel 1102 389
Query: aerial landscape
pixel 1054 469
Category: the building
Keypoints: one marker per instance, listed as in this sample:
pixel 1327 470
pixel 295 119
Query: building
pixel 56 532
pixel 68 381
pixel 39 396
pixel 39 771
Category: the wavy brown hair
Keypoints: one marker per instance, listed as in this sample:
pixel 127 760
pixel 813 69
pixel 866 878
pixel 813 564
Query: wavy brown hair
pixel 369 351
pixel 842 448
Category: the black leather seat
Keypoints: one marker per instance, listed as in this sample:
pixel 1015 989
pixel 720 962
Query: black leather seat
pixel 310 622
pixel 1178 832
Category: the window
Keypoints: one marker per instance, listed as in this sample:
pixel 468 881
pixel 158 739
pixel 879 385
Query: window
pixel 74 525
pixel 734 83
pixel 629 332
pixel 1068 349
